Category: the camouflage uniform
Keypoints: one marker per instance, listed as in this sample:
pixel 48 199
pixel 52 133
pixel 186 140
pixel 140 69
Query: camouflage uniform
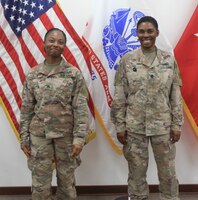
pixel 54 115
pixel 147 104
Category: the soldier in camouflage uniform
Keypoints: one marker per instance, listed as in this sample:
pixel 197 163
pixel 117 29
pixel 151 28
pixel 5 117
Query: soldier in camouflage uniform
pixel 54 120
pixel 147 106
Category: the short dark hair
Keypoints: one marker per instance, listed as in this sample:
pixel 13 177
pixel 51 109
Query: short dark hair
pixel 148 19
pixel 55 29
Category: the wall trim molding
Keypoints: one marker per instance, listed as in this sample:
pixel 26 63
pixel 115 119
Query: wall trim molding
pixel 95 189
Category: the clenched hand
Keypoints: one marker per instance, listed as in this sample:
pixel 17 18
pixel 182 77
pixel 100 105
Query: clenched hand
pixel 175 136
pixel 122 136
pixel 76 150
pixel 26 149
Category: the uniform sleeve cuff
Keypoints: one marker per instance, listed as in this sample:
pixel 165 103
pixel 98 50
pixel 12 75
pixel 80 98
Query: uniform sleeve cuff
pixel 175 128
pixel 79 141
pixel 118 130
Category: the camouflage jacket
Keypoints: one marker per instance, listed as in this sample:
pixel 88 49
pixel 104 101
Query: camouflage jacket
pixel 54 104
pixel 147 97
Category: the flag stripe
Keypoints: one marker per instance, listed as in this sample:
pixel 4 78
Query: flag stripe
pixel 7 63
pixel 6 73
pixel 9 108
pixel 36 37
pixel 69 56
pixel 12 52
pixel 46 21
pixel 29 57
pixel 10 97
pixel 33 48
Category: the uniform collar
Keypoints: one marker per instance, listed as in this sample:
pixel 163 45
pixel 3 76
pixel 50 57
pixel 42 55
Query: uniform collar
pixel 159 59
pixel 56 68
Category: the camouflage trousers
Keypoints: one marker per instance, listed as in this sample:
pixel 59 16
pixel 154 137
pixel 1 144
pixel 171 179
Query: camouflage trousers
pixel 43 153
pixel 136 153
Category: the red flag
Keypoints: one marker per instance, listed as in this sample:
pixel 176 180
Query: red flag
pixel 22 29
pixel 186 53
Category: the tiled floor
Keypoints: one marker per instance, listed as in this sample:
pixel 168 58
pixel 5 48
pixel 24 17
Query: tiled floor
pixel 153 196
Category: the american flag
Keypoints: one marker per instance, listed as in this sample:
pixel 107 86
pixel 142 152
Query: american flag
pixel 23 25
